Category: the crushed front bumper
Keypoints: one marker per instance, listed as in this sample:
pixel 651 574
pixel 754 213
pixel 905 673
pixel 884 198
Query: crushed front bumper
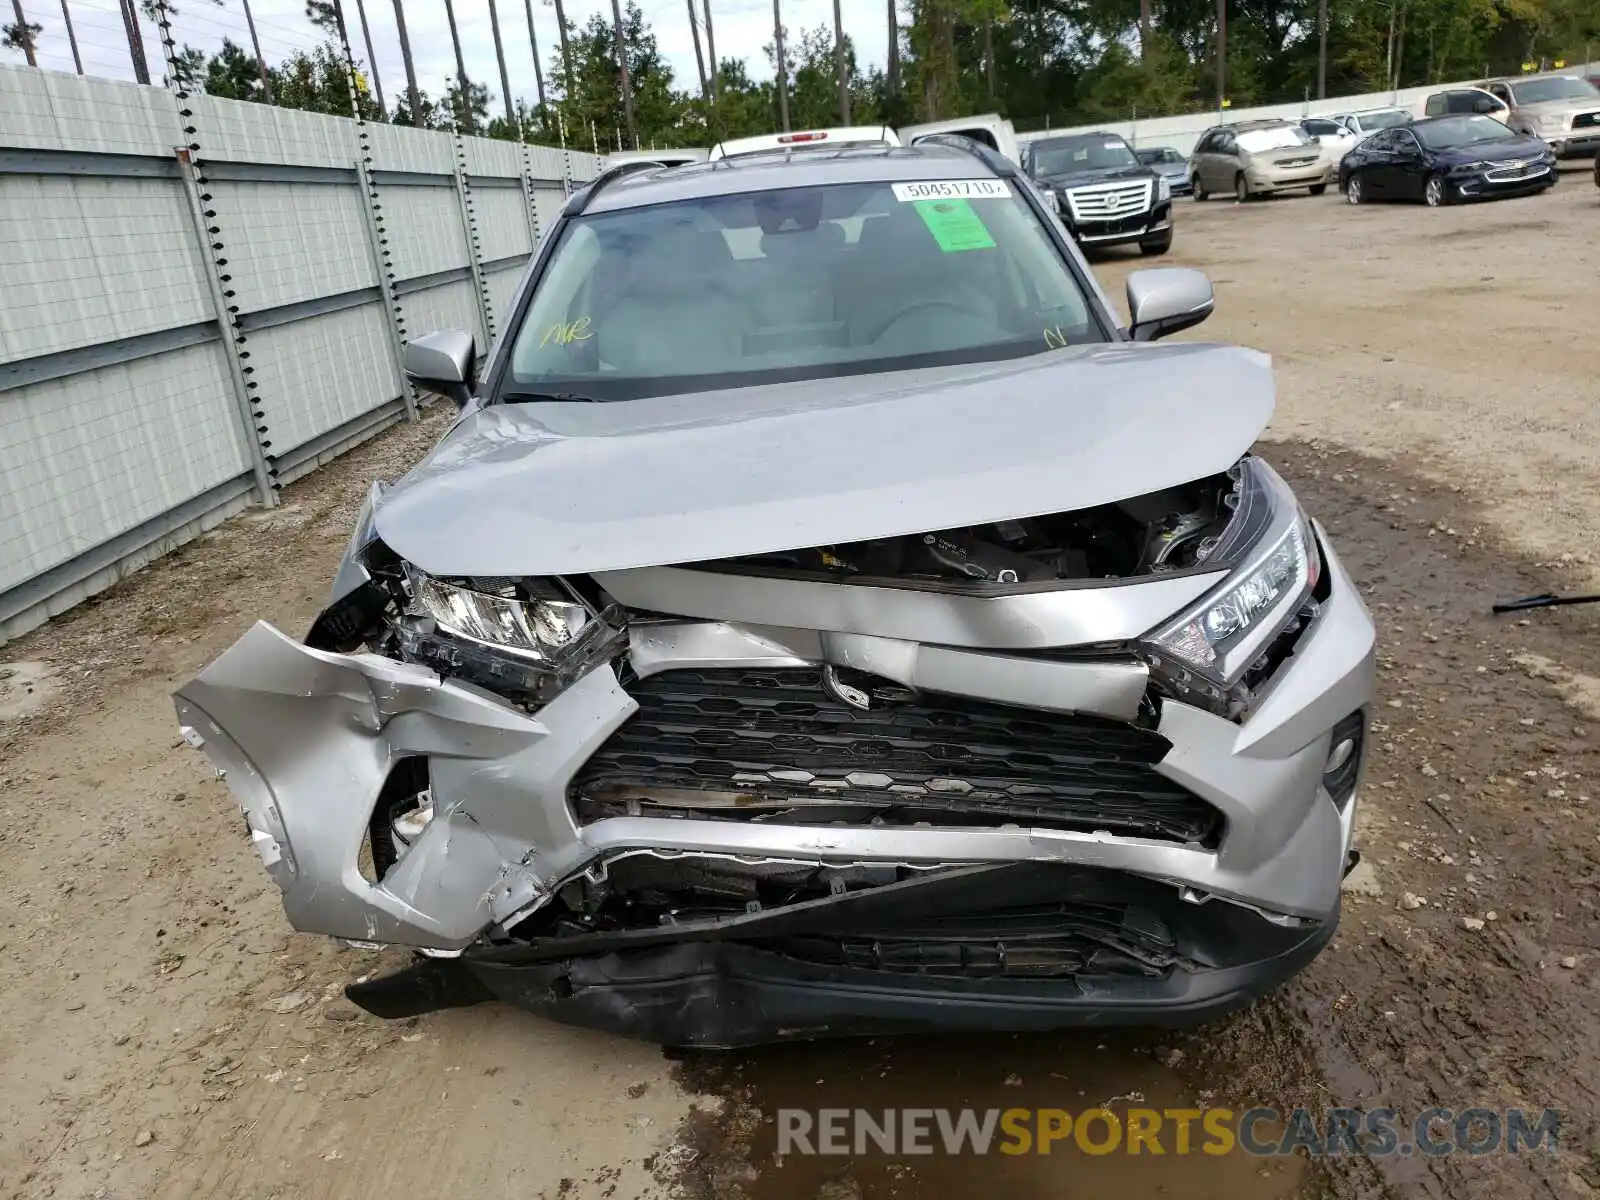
pixel 1035 946
pixel 307 739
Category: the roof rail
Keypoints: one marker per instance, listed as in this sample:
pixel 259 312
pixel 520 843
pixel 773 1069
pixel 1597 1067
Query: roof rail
pixel 579 200
pixel 993 159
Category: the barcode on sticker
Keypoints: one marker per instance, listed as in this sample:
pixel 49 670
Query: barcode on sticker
pixel 953 189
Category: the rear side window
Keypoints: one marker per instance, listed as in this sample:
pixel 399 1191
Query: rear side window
pixel 979 134
pixel 1437 106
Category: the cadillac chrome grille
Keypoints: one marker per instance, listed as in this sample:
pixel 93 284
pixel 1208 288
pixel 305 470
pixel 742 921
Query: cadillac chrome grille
pixel 774 745
pixel 1109 201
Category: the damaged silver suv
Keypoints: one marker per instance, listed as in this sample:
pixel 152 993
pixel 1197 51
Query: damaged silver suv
pixel 821 619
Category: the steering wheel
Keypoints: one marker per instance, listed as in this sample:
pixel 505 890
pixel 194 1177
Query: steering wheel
pixel 917 307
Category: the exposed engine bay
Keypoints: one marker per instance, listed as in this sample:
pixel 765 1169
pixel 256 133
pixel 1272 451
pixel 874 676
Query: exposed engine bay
pixel 1164 531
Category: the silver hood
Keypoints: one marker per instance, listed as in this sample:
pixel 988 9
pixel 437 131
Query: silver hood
pixel 554 488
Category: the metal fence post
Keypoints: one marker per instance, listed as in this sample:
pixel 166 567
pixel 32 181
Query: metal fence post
pixel 378 245
pixel 469 226
pixel 250 423
pixel 377 239
pixel 527 193
pixel 208 237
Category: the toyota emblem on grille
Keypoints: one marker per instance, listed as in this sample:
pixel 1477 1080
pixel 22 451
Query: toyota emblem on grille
pixel 842 691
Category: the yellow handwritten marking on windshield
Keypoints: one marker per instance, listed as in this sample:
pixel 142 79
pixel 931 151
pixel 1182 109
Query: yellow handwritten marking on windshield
pixel 1055 339
pixel 564 333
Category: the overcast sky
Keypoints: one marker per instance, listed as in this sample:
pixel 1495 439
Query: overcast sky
pixel 742 27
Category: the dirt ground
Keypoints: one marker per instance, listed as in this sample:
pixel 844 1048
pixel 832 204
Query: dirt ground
pixel 164 1034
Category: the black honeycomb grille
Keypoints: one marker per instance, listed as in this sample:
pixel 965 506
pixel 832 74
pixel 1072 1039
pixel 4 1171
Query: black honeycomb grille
pixel 774 745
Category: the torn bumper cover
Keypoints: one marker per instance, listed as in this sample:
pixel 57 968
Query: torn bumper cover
pixel 1024 946
pixel 607 860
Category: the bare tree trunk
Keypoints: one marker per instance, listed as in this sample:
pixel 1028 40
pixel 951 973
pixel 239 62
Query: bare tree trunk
pixel 130 26
pixel 566 50
pixel 699 62
pixel 72 37
pixel 372 59
pixel 1388 54
pixel 1222 52
pixel 533 41
pixel 627 81
pixel 841 62
pixel 1322 49
pixel 1399 51
pixel 782 77
pixel 988 55
pixel 411 68
pixel 894 50
pixel 255 44
pixel 24 33
pixel 1144 28
pixel 711 55
pixel 500 55
pixel 463 89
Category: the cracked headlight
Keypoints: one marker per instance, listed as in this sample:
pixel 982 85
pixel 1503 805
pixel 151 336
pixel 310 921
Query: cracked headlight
pixel 1269 544
pixel 524 639
pixel 536 627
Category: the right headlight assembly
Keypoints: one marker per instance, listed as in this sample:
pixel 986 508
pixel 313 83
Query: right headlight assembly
pixel 1205 652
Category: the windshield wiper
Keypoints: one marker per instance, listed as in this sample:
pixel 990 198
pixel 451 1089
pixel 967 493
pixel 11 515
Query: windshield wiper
pixel 548 397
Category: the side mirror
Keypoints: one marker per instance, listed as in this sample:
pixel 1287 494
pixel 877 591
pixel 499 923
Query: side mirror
pixel 443 362
pixel 1163 300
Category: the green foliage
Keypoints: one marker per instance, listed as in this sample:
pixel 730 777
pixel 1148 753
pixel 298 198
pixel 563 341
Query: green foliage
pixel 20 36
pixel 1055 61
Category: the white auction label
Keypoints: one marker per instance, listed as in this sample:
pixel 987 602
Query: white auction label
pixel 953 189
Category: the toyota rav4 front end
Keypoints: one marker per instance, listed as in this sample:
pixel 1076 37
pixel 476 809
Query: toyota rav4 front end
pixel 886 642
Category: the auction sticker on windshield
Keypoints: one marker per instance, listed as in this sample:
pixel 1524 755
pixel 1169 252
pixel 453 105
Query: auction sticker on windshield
pixel 953 189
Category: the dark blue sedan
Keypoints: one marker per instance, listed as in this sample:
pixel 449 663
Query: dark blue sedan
pixel 1441 160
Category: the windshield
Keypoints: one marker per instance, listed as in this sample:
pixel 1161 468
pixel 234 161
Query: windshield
pixel 1279 137
pixel 1559 87
pixel 1161 154
pixel 1387 119
pixel 1063 156
pixel 731 291
pixel 1448 133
